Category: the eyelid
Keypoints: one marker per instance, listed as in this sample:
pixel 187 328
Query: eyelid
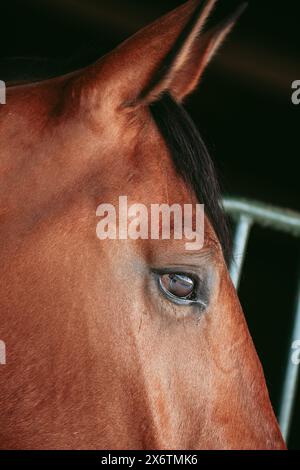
pixel 183 270
pixel 177 300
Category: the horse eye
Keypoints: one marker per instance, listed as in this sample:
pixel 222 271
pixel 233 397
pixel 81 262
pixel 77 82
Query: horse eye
pixel 178 286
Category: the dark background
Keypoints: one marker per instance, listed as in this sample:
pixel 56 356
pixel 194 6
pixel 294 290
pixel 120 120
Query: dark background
pixel 243 109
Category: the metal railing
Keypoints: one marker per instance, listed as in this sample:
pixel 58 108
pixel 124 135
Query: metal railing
pixel 246 214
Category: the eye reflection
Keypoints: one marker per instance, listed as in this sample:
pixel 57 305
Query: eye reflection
pixel 183 288
pixel 178 285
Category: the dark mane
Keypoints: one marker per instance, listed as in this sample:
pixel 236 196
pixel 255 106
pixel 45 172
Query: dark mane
pixel 192 161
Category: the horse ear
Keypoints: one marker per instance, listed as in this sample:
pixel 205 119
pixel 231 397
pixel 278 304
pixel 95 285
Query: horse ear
pixel 184 74
pixel 168 55
pixel 124 75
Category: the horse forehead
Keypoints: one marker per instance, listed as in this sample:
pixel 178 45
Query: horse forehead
pixel 146 182
pixel 133 158
pixel 146 171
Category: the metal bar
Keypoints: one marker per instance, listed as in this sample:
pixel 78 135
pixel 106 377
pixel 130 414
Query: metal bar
pixel 239 248
pixel 264 214
pixel 247 213
pixel 291 378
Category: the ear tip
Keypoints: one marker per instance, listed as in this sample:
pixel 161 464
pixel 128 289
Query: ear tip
pixel 233 18
pixel 240 10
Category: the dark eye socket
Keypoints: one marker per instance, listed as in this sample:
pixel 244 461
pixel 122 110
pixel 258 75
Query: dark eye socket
pixel 181 288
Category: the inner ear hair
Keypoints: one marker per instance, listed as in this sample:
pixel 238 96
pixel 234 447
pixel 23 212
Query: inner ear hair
pixel 182 68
